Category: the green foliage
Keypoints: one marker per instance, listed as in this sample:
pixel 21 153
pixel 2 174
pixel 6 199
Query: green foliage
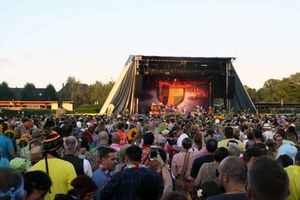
pixel 98 92
pixel 50 93
pixel 83 94
pixel 286 90
pixel 74 91
pixel 252 93
pixel 87 108
pixel 5 92
pixel 29 93
pixel 25 112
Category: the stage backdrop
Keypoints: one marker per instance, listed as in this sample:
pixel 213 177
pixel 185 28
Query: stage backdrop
pixel 184 95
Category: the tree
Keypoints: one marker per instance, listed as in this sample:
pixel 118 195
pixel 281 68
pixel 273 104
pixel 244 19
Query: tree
pixel 270 91
pixel 74 91
pixel 98 92
pixel 29 93
pixel 5 93
pixel 252 93
pixel 50 93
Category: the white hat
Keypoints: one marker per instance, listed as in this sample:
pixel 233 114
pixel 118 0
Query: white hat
pixel 266 126
pixel 78 124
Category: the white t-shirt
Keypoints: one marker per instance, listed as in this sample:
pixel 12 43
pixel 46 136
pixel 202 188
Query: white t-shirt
pixel 181 137
pixel 268 134
pixel 87 168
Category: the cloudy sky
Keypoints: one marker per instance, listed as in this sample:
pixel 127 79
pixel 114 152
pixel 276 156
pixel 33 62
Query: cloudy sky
pixel 47 41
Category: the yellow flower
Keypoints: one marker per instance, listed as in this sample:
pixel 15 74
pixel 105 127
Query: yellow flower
pixel 23 142
pixel 9 131
pixel 132 134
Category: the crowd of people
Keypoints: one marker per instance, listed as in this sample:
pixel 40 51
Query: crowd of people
pixel 170 157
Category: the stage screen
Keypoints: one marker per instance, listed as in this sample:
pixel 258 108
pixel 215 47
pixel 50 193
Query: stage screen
pixel 183 95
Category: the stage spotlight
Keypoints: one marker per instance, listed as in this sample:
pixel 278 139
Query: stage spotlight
pixel 167 73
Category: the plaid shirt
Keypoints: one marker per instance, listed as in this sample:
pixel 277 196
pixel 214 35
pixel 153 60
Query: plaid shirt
pixel 123 185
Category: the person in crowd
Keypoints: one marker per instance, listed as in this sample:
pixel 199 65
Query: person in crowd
pixel 120 132
pixel 267 180
pixel 66 129
pixel 278 141
pixel 11 184
pixel 207 170
pixel 271 150
pixel 211 147
pixel 87 140
pixel 19 164
pixel 285 160
pixel 35 155
pixel 267 131
pixel 293 172
pixel 251 155
pixel 115 142
pixel 93 153
pixel 6 143
pixel 61 172
pixel 232 178
pixel 121 164
pixel 4 162
pixel 124 184
pixel 181 166
pixel 148 189
pixel 199 144
pixel 84 188
pixel 107 162
pixel 208 189
pixel 36 184
pixel 234 149
pixel 288 146
pixel 259 140
pixel 148 139
pixel 178 133
pixel 82 166
pixel 229 134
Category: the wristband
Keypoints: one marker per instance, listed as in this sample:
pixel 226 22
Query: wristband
pixel 164 165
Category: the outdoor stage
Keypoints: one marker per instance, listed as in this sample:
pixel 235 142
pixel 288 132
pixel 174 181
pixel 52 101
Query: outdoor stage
pixel 182 83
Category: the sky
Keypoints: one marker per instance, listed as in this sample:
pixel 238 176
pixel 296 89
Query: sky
pixel 47 41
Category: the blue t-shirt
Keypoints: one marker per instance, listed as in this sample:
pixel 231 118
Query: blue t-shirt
pixel 6 147
pixel 4 163
pixel 100 178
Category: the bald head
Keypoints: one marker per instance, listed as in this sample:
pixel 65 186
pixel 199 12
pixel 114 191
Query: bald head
pixel 235 168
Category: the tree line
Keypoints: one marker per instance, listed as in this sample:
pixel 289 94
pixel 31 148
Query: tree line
pixel 275 90
pixel 73 90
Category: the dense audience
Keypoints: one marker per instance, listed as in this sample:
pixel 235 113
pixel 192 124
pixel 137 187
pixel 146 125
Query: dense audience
pixel 176 156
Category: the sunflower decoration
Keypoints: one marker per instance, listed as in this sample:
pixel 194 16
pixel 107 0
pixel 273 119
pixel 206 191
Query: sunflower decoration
pixel 9 133
pixel 132 134
pixel 23 142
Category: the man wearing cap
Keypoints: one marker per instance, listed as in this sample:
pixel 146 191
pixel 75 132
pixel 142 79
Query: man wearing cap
pixel 61 172
pixel 267 131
